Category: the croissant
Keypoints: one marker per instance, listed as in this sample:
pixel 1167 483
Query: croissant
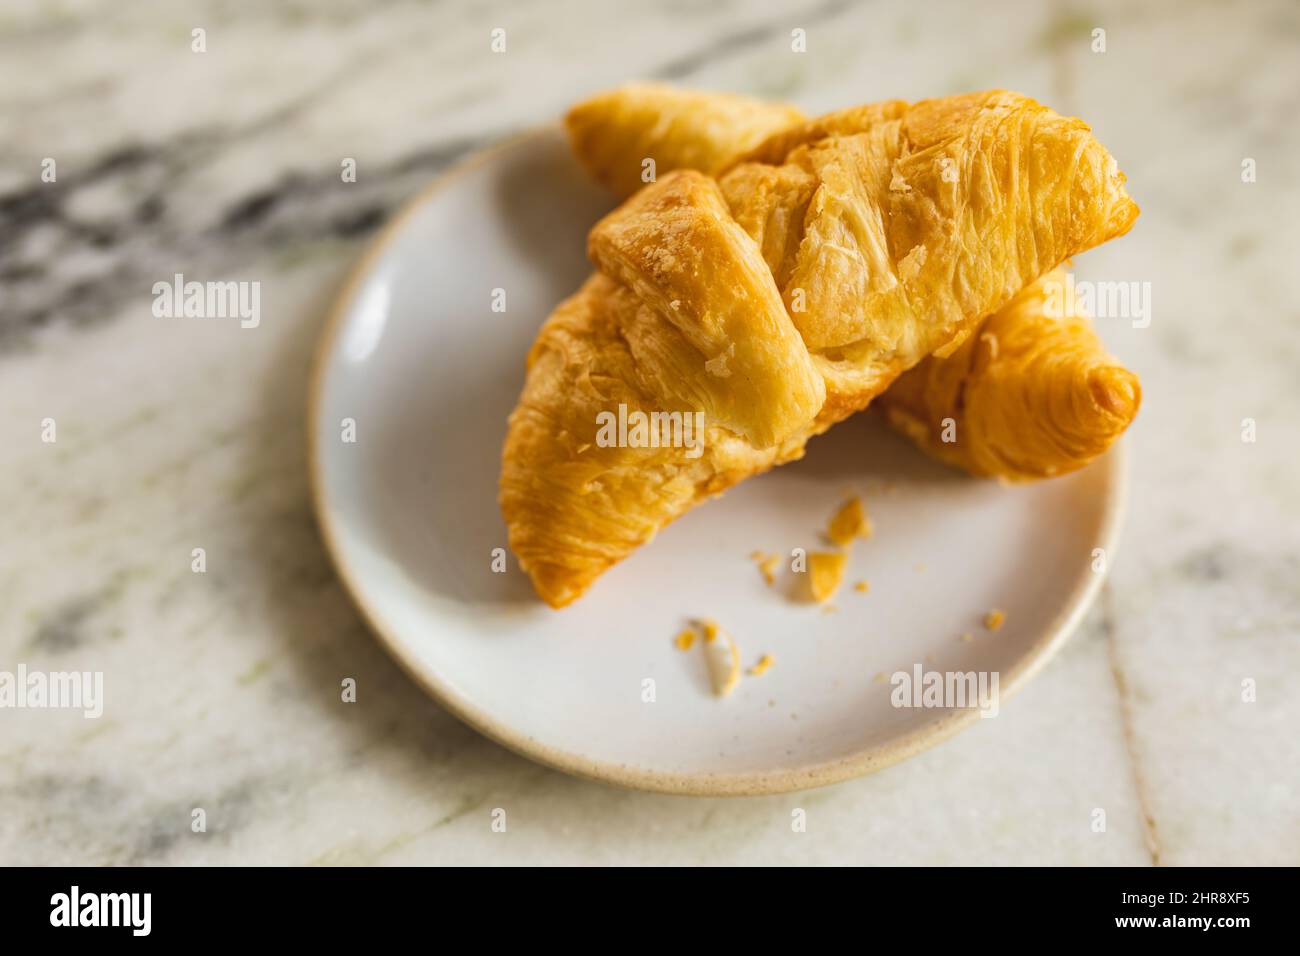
pixel 1030 395
pixel 1046 402
pixel 778 300
pixel 614 133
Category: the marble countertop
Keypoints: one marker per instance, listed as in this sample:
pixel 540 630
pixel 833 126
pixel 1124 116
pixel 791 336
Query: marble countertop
pixel 222 687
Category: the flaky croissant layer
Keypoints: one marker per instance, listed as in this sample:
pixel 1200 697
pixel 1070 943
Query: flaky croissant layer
pixel 1046 403
pixel 616 133
pixel 780 299
pixel 1029 395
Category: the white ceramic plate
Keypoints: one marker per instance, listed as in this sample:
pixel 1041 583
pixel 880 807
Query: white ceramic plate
pixel 416 357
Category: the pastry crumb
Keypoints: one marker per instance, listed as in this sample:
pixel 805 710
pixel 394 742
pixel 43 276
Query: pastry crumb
pixel 825 573
pixel 848 523
pixel 718 364
pixel 967 637
pixel 881 677
pixel 685 640
pixel 767 564
pixel 723 658
pixel 763 666
pixel 862 586
pixel 829 608
pixel 991 343
pixel 994 619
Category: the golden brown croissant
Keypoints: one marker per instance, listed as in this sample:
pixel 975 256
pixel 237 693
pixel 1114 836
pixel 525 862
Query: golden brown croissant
pixel 614 133
pixel 778 300
pixel 1029 395
pixel 1044 407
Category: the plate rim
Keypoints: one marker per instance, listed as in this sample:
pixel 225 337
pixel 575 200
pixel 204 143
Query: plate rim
pixel 747 783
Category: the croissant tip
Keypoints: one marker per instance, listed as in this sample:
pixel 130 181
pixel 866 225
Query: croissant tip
pixel 1116 391
pixel 1125 215
pixel 554 585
